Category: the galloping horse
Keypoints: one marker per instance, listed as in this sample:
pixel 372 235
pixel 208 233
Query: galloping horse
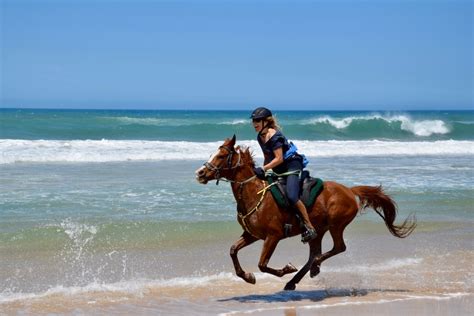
pixel 261 217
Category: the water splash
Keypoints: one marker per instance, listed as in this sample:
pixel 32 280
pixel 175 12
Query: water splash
pixel 75 252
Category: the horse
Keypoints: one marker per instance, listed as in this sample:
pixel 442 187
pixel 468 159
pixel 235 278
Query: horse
pixel 262 219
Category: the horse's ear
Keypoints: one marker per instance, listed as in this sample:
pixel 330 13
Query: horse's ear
pixel 232 141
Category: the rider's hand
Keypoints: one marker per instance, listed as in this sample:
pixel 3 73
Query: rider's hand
pixel 259 172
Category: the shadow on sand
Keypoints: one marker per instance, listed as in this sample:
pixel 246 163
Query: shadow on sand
pixel 314 296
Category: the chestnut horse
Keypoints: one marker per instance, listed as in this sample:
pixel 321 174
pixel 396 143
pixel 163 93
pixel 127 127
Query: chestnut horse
pixel 261 217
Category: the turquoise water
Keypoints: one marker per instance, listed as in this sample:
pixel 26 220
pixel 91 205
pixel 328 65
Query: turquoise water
pixel 216 125
pixel 100 197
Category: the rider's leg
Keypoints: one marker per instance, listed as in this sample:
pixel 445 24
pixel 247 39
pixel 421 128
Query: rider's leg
pixel 293 191
pixel 310 232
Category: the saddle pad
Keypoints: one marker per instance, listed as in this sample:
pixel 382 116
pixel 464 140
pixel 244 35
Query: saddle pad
pixel 311 188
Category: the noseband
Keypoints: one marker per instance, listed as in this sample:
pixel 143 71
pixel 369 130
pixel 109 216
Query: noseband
pixel 218 170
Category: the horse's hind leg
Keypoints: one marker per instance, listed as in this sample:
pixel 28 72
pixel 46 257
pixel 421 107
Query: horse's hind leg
pixel 244 240
pixel 339 246
pixel 267 251
pixel 314 250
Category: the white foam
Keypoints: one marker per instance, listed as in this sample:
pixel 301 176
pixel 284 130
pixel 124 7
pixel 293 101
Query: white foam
pixel 133 287
pixel 383 266
pixel 234 122
pixel 13 150
pixel 141 121
pixel 423 128
pixel 335 148
pixel 337 123
pixel 174 122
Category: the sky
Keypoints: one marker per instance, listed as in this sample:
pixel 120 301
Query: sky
pixel 307 55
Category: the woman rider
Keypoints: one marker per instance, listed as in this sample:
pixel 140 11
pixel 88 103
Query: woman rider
pixel 274 146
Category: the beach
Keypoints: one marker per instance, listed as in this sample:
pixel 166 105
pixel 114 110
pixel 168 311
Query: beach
pixel 100 213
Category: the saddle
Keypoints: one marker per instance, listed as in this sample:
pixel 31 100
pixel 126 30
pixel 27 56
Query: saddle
pixel 310 188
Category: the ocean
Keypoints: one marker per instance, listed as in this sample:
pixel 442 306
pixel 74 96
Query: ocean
pixel 100 213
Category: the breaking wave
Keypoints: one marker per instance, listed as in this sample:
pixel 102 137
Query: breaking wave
pixel 400 122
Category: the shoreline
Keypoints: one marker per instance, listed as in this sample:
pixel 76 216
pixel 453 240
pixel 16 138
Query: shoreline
pixel 233 297
pixel 376 304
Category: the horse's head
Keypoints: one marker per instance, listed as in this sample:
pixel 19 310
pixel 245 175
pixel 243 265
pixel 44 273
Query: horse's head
pixel 222 164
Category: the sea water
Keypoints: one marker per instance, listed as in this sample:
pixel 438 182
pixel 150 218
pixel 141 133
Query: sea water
pixel 104 205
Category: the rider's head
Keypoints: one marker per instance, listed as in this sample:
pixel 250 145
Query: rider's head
pixel 263 116
pixel 260 113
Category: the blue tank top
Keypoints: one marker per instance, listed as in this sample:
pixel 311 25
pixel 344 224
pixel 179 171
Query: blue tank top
pixel 278 140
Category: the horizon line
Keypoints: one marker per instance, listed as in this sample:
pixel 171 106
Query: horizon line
pixel 228 109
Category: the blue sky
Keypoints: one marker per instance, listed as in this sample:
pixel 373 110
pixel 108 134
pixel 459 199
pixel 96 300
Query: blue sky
pixel 341 55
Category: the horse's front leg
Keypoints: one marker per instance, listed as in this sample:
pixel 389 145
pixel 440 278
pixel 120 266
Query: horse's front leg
pixel 269 246
pixel 244 240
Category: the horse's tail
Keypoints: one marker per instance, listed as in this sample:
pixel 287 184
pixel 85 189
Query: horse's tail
pixel 375 198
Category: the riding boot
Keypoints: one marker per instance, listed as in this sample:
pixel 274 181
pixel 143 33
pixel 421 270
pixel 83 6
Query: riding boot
pixel 310 232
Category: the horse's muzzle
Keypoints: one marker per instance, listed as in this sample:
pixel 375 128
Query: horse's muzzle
pixel 201 175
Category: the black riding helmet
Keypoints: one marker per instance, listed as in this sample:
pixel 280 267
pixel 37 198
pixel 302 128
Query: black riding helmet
pixel 260 113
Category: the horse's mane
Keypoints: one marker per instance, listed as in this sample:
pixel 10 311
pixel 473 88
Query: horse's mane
pixel 247 155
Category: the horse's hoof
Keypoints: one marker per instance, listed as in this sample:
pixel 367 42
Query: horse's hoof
pixel 290 287
pixel 250 278
pixel 289 268
pixel 314 271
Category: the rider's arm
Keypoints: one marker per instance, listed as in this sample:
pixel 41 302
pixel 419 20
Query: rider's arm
pixel 276 161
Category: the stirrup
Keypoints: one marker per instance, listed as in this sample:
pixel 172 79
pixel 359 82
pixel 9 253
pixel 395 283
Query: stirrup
pixel 308 235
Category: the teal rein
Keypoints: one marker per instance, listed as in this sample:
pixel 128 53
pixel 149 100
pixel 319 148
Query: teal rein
pixel 267 173
pixel 284 174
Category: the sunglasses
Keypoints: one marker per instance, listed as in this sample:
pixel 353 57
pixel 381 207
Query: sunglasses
pixel 257 120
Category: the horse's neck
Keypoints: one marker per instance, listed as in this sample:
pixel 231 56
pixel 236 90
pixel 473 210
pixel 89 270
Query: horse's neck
pixel 245 193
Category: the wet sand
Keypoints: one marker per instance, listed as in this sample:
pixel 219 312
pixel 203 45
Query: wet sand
pixel 429 274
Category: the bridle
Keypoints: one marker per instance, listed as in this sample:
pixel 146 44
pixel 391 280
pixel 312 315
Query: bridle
pixel 218 170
